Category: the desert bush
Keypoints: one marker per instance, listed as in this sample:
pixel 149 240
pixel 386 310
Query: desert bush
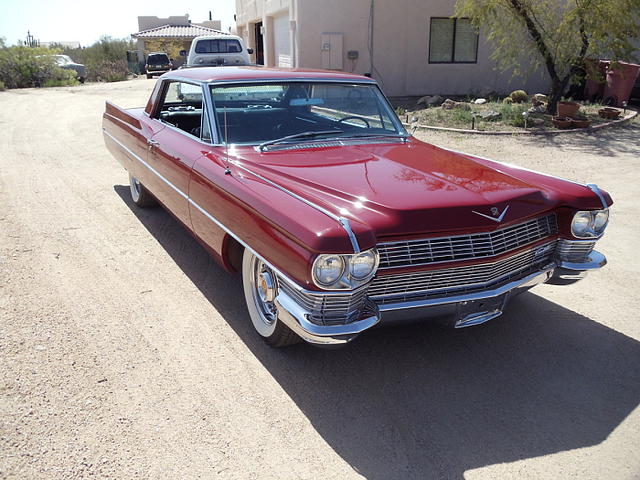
pixel 519 96
pixel 105 60
pixel 512 114
pixel 23 67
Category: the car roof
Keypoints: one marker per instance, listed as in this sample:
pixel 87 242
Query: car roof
pixel 244 73
pixel 218 36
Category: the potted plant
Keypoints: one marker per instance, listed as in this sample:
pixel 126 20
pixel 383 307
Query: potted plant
pixel 568 108
pixel 561 122
pixel 609 113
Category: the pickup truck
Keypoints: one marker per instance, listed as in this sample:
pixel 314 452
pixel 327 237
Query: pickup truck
pixel 307 183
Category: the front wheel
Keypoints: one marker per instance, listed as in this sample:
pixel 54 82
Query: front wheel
pixel 140 195
pixel 260 289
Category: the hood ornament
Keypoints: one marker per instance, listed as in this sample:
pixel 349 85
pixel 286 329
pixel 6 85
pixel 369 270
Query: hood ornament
pixel 494 212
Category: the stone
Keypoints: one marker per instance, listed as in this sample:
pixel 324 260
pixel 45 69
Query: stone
pixel 480 101
pixel 431 101
pixel 541 98
pixel 539 108
pixel 449 104
pixel 536 121
pixel 490 115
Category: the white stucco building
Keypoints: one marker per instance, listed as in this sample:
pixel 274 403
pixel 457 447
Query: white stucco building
pixel 411 47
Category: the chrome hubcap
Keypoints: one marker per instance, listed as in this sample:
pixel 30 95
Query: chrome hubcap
pixel 264 292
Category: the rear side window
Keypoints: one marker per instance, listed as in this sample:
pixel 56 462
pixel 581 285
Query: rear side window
pixel 157 60
pixel 218 46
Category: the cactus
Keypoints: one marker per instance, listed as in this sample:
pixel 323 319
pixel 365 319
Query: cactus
pixel 519 96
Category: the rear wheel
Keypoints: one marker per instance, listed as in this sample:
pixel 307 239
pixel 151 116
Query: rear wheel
pixel 140 195
pixel 260 289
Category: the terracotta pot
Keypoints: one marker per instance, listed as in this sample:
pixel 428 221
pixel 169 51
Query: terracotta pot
pixel 561 122
pixel 580 123
pixel 608 112
pixel 568 109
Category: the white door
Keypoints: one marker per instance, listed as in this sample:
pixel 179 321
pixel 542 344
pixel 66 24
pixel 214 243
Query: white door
pixel 281 41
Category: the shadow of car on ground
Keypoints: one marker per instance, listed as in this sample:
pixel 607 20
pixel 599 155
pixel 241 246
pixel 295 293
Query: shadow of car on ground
pixel 424 401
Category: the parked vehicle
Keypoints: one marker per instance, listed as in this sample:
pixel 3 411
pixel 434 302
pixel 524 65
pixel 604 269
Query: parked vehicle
pixel 65 61
pixel 307 183
pixel 157 63
pixel 218 50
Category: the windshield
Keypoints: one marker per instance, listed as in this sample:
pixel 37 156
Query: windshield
pixel 257 113
pixel 63 59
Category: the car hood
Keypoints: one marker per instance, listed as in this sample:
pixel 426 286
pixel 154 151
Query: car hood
pixel 404 189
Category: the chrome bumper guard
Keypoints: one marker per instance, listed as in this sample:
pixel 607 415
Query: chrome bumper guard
pixel 556 273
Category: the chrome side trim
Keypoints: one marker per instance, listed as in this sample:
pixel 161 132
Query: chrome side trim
pixel 594 188
pixel 204 212
pixel 153 170
pixel 341 220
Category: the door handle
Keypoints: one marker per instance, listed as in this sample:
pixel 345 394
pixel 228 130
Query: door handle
pixel 152 143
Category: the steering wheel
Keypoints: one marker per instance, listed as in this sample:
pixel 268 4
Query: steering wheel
pixel 355 117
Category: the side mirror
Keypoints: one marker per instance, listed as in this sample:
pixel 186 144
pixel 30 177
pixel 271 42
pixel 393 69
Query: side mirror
pixel 183 53
pixel 250 50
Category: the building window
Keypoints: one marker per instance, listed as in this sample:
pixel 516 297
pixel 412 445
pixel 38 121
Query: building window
pixel 452 40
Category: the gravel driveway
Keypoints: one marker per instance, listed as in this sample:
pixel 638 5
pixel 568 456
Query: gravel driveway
pixel 125 352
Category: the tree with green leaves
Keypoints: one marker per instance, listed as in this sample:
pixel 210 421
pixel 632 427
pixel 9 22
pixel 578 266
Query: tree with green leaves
pixel 557 35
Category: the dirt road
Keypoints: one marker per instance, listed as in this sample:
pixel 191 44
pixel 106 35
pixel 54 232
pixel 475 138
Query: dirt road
pixel 125 352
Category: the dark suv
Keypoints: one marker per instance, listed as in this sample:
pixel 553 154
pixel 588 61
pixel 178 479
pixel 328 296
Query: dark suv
pixel 157 64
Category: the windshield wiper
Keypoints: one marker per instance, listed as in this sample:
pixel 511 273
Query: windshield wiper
pixel 372 135
pixel 319 133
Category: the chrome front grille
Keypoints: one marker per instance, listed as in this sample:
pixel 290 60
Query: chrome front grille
pixel 465 247
pixel 453 281
pixel 576 251
pixel 331 308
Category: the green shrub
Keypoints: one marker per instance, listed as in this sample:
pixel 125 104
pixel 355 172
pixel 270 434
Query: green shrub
pixel 507 100
pixel 400 111
pixel 105 60
pixel 23 67
pixel 519 96
pixel 2 86
pixel 61 78
pixel 512 114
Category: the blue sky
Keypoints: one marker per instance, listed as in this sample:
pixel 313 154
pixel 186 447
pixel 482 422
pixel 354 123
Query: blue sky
pixel 85 21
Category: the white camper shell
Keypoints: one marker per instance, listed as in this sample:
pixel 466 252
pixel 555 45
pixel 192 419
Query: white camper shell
pixel 218 50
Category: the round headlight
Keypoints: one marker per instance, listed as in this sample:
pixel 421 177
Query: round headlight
pixel 600 220
pixel 363 264
pixel 328 269
pixel 580 224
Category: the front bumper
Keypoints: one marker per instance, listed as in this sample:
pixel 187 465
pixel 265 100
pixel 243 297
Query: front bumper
pixel 461 310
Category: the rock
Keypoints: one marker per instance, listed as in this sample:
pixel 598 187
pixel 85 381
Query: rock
pixel 431 100
pixel 539 108
pixel 541 98
pixel 490 115
pixel 480 101
pixel 538 122
pixel 449 104
pixel 414 119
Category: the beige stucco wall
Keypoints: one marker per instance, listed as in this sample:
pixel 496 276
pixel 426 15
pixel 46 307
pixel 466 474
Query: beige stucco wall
pixel 400 44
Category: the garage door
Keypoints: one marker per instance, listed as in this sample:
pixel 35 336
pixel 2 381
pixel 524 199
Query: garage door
pixel 281 41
